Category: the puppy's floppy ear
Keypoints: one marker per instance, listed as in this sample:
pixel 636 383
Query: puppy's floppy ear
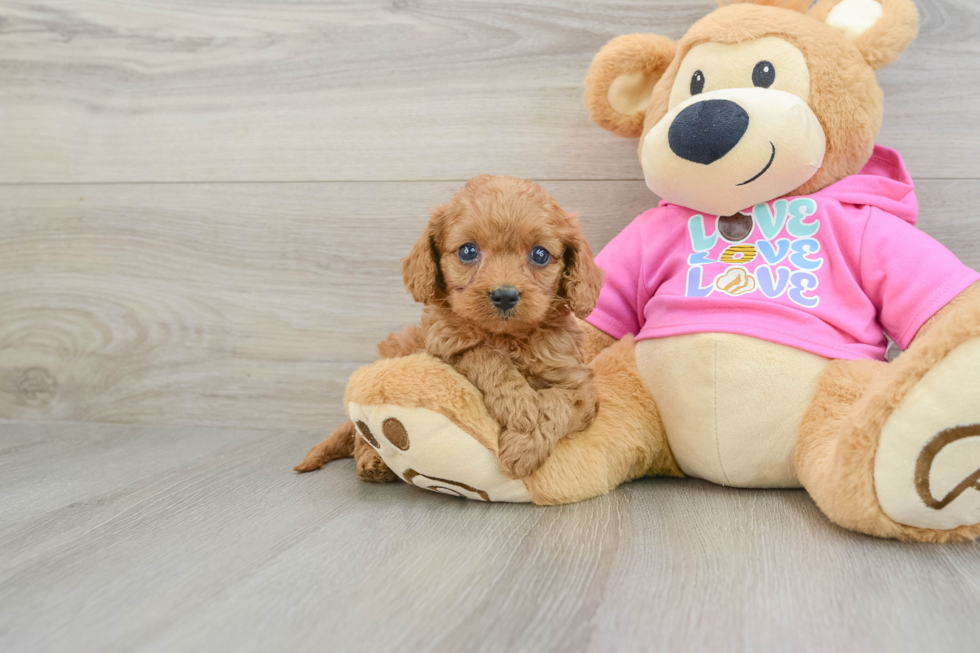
pixel 619 86
pixel 582 278
pixel 420 269
pixel 880 29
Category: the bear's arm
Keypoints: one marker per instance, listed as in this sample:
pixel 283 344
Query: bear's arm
pixel 595 339
pixel 908 275
pixel 965 301
pixel 624 294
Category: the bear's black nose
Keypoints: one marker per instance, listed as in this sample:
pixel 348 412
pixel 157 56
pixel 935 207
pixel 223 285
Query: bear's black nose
pixel 505 297
pixel 706 131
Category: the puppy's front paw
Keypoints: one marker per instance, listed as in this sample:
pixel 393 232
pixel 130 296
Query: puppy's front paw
pixel 517 412
pixel 372 469
pixel 522 454
pixel 585 416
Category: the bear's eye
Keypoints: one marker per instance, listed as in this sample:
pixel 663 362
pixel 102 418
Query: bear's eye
pixel 540 256
pixel 468 252
pixel 697 83
pixel 764 74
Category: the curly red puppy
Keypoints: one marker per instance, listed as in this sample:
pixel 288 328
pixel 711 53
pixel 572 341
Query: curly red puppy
pixel 502 271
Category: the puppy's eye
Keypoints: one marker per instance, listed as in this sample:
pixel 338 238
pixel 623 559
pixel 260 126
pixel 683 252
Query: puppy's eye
pixel 697 83
pixel 764 74
pixel 540 256
pixel 468 252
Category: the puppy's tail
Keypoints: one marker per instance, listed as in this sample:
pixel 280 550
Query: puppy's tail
pixel 340 444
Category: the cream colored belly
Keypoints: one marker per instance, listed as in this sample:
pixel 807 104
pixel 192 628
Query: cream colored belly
pixel 731 404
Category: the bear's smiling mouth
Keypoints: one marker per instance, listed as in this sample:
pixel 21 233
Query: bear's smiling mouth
pixel 768 165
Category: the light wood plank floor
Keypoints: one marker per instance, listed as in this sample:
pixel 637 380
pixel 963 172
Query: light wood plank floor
pixel 137 538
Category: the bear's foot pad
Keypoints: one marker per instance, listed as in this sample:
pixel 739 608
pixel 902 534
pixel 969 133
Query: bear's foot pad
pixel 428 450
pixel 927 466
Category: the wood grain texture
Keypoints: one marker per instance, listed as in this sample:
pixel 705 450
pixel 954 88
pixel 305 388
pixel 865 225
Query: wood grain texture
pixel 239 304
pixel 214 304
pixel 140 539
pixel 220 90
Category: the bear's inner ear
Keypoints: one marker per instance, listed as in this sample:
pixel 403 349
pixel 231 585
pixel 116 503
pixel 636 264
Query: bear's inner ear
pixel 880 29
pixel 620 83
pixel 631 93
pixel 854 17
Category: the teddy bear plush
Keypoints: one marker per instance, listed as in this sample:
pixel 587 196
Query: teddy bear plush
pixel 740 333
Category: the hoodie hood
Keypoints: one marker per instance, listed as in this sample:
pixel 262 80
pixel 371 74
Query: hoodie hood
pixel 884 182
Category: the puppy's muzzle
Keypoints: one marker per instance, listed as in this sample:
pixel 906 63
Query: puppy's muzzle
pixel 505 297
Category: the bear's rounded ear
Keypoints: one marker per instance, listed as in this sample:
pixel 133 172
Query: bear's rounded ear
pixel 620 83
pixel 880 29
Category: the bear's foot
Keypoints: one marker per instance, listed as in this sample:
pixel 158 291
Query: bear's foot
pixel 425 449
pixel 430 427
pixel 927 464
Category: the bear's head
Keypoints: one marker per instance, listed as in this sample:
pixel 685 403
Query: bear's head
pixel 759 100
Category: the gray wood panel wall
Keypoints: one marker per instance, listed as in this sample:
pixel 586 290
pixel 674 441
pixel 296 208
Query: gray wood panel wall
pixel 203 202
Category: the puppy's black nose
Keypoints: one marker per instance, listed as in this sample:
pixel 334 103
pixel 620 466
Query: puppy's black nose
pixel 505 297
pixel 706 131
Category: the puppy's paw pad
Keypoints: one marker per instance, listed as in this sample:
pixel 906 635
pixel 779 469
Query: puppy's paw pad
pixel 522 454
pixel 374 470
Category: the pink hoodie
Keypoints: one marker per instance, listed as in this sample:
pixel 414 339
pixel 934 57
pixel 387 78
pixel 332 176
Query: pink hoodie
pixel 827 273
